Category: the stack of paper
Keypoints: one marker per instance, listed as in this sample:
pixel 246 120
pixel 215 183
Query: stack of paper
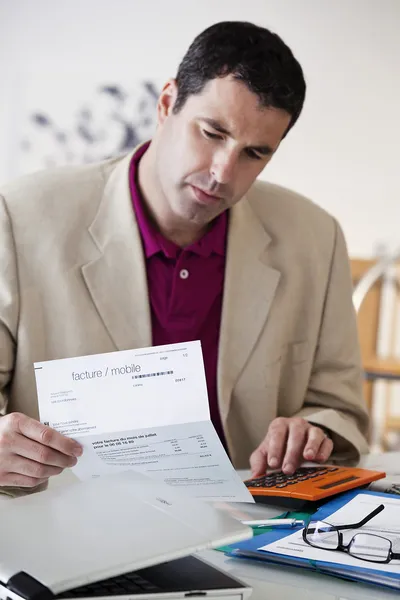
pixel 389 485
pixel 285 547
pixel 388 462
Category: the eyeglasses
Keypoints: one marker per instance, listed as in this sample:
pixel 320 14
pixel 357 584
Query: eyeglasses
pixel 365 546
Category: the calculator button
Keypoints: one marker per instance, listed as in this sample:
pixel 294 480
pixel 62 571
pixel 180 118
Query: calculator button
pixel 281 485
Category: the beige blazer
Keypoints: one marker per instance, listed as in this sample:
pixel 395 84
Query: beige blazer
pixel 73 282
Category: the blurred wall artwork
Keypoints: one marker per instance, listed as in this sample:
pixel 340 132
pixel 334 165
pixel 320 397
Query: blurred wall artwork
pixel 78 121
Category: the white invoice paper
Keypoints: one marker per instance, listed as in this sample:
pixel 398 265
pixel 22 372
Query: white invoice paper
pixel 144 409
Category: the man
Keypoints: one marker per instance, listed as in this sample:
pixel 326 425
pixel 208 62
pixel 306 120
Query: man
pixel 177 242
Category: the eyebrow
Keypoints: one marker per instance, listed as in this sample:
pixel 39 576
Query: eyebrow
pixel 265 149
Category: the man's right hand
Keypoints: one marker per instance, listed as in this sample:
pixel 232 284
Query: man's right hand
pixel 30 452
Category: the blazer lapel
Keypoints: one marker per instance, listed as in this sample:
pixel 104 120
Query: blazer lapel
pixel 249 289
pixel 116 279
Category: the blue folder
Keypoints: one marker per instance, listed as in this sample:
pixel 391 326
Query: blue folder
pixel 250 549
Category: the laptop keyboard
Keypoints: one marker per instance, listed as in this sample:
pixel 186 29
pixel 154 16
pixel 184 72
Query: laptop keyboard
pixel 187 576
pixel 129 583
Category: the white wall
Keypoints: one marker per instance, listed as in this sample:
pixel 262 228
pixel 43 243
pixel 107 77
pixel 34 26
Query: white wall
pixel 344 151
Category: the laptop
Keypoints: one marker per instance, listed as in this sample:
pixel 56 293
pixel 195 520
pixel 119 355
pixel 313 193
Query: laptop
pixel 123 535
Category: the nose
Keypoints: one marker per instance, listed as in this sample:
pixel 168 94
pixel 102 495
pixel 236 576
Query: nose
pixel 223 166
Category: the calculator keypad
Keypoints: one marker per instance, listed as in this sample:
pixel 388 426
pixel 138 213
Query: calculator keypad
pixel 280 480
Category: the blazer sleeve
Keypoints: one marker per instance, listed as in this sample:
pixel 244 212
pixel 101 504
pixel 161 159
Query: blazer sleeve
pixel 9 303
pixel 334 397
pixel 9 311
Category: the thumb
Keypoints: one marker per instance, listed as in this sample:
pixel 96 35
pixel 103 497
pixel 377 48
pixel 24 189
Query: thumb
pixel 258 462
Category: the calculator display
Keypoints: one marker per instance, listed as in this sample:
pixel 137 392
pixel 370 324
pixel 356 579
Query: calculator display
pixel 327 486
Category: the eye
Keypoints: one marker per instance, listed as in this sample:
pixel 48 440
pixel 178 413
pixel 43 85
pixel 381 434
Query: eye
pixel 252 154
pixel 211 136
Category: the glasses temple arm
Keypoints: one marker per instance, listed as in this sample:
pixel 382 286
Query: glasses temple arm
pixel 365 520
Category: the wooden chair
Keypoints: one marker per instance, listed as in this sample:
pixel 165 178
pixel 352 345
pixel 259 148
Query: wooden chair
pixel 372 279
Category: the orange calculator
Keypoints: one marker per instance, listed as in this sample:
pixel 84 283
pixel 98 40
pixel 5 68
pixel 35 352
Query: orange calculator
pixel 308 484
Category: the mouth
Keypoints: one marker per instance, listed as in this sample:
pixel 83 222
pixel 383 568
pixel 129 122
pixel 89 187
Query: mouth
pixel 205 197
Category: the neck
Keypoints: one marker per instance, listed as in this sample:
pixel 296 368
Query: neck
pixel 179 231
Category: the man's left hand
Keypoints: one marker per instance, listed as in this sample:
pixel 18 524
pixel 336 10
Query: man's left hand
pixel 289 442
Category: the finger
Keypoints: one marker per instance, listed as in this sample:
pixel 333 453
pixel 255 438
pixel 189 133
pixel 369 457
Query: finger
pixel 276 442
pixel 294 448
pixel 315 437
pixel 28 448
pixel 48 437
pixel 32 469
pixel 258 461
pixel 325 450
pixel 18 480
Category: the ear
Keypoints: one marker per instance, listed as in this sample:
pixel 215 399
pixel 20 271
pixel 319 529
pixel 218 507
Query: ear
pixel 166 100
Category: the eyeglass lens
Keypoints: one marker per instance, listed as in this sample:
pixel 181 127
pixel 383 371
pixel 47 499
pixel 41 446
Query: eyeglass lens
pixel 370 547
pixel 322 535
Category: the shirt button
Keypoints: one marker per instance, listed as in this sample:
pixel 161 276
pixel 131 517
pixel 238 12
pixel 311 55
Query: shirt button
pixel 183 273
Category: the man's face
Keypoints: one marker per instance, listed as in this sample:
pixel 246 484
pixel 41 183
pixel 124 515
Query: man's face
pixel 212 150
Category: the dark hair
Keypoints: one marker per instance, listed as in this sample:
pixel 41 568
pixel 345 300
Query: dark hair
pixel 251 54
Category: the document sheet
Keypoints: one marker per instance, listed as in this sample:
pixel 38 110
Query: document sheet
pixel 145 409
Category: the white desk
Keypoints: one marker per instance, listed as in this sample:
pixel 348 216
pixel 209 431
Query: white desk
pixel 286 583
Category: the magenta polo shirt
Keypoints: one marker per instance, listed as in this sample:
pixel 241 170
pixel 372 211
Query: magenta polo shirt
pixel 185 287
